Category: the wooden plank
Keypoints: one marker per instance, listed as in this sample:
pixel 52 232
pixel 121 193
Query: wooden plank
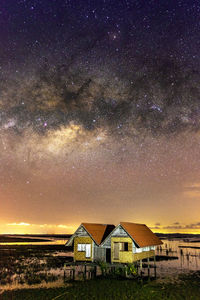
pixel 116 250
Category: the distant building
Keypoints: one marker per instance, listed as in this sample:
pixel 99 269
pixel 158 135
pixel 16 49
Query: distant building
pixel 125 243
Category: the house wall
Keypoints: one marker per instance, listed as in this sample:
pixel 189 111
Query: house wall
pixel 99 253
pixel 143 255
pixel 119 231
pixel 107 243
pixel 80 255
pixel 128 256
pixel 124 256
pixel 81 231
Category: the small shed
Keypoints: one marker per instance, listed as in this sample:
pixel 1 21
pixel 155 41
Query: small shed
pixel 87 240
pixel 130 242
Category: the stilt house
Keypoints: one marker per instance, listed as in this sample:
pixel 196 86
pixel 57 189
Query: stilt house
pixel 125 243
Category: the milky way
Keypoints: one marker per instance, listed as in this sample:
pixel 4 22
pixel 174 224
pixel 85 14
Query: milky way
pixel 99 111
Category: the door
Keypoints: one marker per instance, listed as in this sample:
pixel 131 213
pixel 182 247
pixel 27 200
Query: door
pixel 88 250
pixel 108 255
pixel 116 251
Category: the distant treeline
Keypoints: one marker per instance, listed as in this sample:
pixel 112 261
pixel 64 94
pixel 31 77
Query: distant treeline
pixel 38 235
pixel 178 235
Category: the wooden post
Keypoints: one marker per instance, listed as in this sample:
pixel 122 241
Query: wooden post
pixel 64 276
pixel 154 266
pixel 85 271
pixel 141 267
pixel 73 274
pixel 95 271
pixel 148 267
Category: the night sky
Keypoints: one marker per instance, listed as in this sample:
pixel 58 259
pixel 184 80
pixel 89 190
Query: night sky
pixel 99 114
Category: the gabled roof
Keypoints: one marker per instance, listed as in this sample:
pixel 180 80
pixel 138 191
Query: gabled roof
pixel 98 232
pixel 141 234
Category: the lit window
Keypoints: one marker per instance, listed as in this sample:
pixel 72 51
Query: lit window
pixel 81 247
pixel 85 248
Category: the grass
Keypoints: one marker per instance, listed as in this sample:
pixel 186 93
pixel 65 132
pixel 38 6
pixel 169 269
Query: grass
pixel 186 288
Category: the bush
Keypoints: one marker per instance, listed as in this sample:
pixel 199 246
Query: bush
pixel 103 266
pixel 131 269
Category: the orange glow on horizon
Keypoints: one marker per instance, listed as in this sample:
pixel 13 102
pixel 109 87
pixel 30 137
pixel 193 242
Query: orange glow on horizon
pixel 27 228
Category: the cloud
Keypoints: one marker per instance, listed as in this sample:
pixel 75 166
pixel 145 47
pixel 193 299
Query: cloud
pixel 193 226
pixel 64 226
pixel 184 227
pixel 19 224
pixel 174 227
pixel 155 227
pixel 45 226
pixel 192 191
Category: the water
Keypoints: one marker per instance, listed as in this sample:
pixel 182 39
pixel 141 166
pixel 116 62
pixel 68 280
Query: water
pixel 188 259
pixel 53 242
pixel 49 241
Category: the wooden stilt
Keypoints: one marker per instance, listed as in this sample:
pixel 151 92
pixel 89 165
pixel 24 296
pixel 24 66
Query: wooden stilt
pixel 137 267
pixel 95 271
pixel 141 267
pixel 154 266
pixel 148 267
pixel 85 272
pixel 71 274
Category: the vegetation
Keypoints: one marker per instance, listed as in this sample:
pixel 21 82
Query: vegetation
pixel 103 266
pixel 30 264
pixel 121 271
pixel 187 287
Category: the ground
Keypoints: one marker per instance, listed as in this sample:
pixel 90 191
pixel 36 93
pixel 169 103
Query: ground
pixel 186 287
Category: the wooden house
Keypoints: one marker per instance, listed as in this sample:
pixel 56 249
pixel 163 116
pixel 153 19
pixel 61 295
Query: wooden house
pixel 125 243
pixel 130 242
pixel 86 242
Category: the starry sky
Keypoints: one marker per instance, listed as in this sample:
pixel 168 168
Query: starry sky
pixel 99 114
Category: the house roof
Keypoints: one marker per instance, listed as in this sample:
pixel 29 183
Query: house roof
pixel 98 232
pixel 141 234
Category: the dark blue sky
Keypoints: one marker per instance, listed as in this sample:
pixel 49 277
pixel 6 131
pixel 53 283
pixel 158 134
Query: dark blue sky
pixel 149 28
